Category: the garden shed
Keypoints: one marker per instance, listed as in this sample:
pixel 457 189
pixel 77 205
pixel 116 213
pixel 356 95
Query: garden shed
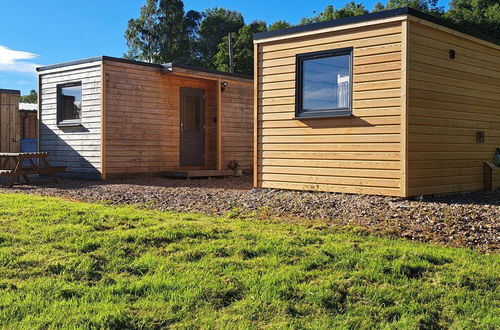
pixel 393 103
pixel 109 117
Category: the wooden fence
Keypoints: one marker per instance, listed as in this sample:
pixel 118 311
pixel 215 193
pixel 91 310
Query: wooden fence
pixel 9 120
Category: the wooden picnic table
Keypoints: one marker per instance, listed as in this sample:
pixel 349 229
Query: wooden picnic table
pixel 38 164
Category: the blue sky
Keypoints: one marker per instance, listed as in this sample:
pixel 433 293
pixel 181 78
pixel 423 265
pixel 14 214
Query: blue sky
pixel 41 32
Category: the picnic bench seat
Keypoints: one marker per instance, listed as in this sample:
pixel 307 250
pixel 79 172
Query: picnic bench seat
pixel 35 168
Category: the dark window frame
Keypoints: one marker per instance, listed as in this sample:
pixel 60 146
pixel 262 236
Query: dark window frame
pixel 67 122
pixel 325 113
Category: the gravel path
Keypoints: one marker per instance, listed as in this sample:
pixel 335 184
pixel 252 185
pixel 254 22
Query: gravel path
pixel 468 219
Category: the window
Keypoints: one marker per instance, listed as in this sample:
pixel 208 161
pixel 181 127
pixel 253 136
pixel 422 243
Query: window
pixel 69 104
pixel 324 84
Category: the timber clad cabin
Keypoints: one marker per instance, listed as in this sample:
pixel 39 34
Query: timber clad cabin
pixel 108 117
pixel 392 103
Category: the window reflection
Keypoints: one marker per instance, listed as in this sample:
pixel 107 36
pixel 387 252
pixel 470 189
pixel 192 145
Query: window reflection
pixel 325 83
pixel 71 102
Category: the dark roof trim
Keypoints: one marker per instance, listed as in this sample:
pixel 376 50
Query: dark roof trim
pixel 10 91
pixel 193 68
pixel 123 60
pixel 375 16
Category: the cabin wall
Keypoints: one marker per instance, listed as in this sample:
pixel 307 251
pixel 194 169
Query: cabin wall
pixel 237 124
pixel 449 101
pixel 143 119
pixel 357 154
pixel 78 148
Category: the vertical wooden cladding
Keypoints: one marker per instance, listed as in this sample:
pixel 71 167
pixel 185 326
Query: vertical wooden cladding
pixel 9 121
pixel 357 154
pixel 237 124
pixel 78 148
pixel 450 100
pixel 142 119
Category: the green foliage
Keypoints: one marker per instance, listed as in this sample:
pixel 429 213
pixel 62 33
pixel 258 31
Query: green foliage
pixel 214 27
pixel 479 15
pixel 279 25
pixel 32 97
pixel 75 265
pixel 162 33
pixel 330 13
pixel 428 6
pixel 242 49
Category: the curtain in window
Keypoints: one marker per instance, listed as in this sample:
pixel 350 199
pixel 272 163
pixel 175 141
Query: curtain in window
pixel 343 91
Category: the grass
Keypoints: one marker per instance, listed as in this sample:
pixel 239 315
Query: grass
pixel 77 265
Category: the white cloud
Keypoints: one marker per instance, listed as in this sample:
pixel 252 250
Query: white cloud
pixel 16 60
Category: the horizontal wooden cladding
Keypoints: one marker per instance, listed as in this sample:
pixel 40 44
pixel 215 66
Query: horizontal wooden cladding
pixel 319 164
pixel 337 172
pixel 358 60
pixel 421 33
pixel 289 86
pixel 331 147
pixel 333 180
pixel 364 37
pixel 450 100
pixel 331 138
pixel 464 102
pixel 448 180
pixel 358 95
pixel 358 69
pixel 287 111
pixel 366 103
pixel 344 155
pixel 441 189
pixel 386 129
pixel 356 154
pixel 307 186
pixel 331 123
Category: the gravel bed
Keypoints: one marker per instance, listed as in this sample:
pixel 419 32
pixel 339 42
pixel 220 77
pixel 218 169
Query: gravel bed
pixel 466 219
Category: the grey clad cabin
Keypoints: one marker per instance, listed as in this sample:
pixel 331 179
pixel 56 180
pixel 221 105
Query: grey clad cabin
pixel 107 117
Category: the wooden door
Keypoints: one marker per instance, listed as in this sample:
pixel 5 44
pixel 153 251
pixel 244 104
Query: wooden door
pixel 192 149
pixel 9 121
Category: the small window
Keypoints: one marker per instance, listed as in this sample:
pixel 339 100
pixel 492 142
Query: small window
pixel 324 84
pixel 69 103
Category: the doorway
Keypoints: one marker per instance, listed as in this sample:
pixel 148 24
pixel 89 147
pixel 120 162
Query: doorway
pixel 192 149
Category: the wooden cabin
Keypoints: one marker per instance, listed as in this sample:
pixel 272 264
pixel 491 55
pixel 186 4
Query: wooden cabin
pixel 392 103
pixel 107 117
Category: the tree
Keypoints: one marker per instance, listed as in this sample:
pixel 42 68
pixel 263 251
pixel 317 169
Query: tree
pixel 378 7
pixel 279 25
pixel 242 49
pixel 162 33
pixel 32 97
pixel 330 13
pixel 214 27
pixel 428 6
pixel 480 15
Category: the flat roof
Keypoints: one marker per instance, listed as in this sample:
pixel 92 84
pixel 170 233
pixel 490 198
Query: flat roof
pixel 123 60
pixel 10 91
pixel 374 16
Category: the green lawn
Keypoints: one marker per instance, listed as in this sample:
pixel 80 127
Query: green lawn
pixel 68 264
